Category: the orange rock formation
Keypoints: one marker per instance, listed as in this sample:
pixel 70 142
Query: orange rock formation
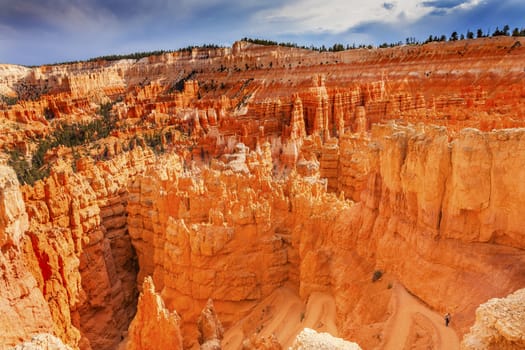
pixel 210 328
pixel 229 174
pixel 24 309
pixel 499 324
pixel 153 327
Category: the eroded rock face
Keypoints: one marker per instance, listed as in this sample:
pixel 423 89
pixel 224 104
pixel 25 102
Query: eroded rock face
pixel 218 225
pixel 154 326
pixel 78 249
pixel 278 170
pixel 13 217
pixel 500 324
pixel 23 307
pixel 210 328
pixel 407 217
pixel 419 209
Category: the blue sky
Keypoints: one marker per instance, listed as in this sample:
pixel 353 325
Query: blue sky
pixel 46 31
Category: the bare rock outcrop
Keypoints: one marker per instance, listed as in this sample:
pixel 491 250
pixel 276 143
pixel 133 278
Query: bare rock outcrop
pixel 210 328
pixel 309 339
pixel 43 341
pixel 154 326
pixel 237 231
pixel 500 324
pixel 13 217
pixel 416 207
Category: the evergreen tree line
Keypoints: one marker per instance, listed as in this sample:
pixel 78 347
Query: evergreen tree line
pixel 334 48
pixel 454 36
pixel 9 100
pixel 516 32
pixel 137 55
pixel 505 31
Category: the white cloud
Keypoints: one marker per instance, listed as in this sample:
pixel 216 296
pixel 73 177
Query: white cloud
pixel 467 5
pixel 337 16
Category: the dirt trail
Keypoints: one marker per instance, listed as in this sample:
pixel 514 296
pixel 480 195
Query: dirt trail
pixel 414 326
pixel 284 315
pixel 411 326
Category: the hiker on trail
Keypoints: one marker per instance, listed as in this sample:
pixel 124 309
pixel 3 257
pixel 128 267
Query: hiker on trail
pixel 447 319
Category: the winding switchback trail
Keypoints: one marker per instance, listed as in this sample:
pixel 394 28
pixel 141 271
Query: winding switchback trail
pixel 414 326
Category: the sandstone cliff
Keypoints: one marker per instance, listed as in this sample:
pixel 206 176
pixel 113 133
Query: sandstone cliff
pixel 78 249
pixel 419 211
pixel 24 309
pixel 228 174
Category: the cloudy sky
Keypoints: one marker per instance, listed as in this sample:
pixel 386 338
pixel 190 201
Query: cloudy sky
pixel 46 31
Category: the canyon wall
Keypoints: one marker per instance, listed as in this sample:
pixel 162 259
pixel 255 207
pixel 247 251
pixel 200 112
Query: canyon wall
pixel 24 308
pixel 226 174
pixel 210 236
pixel 419 217
pixel 407 224
pixel 78 250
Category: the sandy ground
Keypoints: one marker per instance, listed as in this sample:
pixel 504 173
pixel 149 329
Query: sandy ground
pixel 284 315
pixel 414 326
pixel 411 325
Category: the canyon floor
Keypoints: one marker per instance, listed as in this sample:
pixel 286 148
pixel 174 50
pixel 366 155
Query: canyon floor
pixel 411 324
pixel 266 197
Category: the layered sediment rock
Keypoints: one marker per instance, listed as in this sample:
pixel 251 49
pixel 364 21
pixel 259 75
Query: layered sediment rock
pixel 154 327
pixel 79 251
pixel 24 309
pixel 181 223
pixel 279 170
pixel 419 212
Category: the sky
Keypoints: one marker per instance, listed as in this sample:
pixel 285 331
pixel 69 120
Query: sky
pixel 34 32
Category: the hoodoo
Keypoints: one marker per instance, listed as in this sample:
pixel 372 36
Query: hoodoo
pixel 266 197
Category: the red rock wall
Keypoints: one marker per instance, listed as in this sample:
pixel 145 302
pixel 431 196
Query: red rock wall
pixel 80 252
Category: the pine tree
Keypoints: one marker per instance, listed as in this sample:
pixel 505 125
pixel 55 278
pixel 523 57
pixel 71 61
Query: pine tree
pixel 480 33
